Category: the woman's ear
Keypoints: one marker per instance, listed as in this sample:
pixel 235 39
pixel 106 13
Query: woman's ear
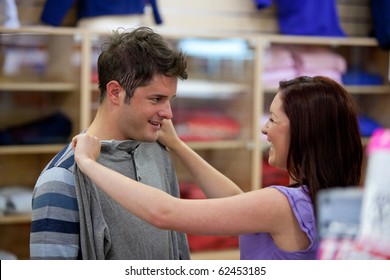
pixel 113 91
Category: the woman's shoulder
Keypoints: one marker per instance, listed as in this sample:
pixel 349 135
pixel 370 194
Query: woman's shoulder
pixel 298 198
pixel 293 190
pixel 303 209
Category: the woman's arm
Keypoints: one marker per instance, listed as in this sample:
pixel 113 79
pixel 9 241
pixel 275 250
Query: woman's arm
pixel 131 194
pixel 222 216
pixel 213 183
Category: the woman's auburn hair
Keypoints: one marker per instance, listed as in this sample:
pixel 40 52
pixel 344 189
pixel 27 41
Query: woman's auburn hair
pixel 325 147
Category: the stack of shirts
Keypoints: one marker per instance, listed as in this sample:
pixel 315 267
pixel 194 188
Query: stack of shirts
pixel 279 65
pixel 205 125
pixel 288 62
pixel 15 200
pixel 317 61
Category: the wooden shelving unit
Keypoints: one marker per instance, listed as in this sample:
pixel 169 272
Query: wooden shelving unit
pixel 76 98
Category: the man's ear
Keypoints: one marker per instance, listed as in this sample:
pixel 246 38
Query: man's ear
pixel 113 91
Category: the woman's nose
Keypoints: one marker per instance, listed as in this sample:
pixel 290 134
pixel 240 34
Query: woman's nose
pixel 264 128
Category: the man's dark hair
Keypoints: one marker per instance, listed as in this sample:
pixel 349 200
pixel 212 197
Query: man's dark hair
pixel 133 57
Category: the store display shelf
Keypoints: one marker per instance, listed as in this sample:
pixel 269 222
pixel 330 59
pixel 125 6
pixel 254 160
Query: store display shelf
pixel 202 89
pixel 30 149
pixel 41 29
pixel 359 89
pixel 38 86
pixel 320 40
pixel 15 219
pixel 385 89
pixel 231 86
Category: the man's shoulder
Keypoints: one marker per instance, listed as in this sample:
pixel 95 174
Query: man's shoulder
pixel 63 159
pixel 58 174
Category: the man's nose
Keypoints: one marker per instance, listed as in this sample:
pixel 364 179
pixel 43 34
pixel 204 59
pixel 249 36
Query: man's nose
pixel 166 111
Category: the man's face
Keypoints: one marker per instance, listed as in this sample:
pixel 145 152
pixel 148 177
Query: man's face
pixel 141 118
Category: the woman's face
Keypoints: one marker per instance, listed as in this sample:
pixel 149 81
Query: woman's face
pixel 277 130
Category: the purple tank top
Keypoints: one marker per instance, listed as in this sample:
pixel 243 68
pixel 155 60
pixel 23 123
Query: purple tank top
pixel 260 246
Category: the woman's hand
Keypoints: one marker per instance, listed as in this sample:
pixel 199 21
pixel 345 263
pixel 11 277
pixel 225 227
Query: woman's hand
pixel 86 147
pixel 167 135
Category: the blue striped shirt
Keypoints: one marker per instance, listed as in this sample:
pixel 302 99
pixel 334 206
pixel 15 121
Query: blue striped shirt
pixel 55 223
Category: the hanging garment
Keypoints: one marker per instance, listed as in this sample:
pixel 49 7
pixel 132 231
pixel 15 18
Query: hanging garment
pixel 10 15
pixel 381 18
pixel 261 4
pixel 309 17
pixel 55 128
pixel 54 11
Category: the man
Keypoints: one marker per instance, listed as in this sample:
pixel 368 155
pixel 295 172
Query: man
pixel 72 219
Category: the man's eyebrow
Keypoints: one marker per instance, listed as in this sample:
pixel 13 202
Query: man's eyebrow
pixel 162 95
pixel 157 95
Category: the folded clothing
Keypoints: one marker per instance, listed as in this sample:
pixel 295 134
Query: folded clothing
pixel 205 125
pixel 15 199
pixel 55 128
pixel 307 58
pixel 367 125
pixel 272 77
pixel 55 11
pixel 330 73
pixel 4 255
pixel 277 57
pixel 287 62
pixel 360 77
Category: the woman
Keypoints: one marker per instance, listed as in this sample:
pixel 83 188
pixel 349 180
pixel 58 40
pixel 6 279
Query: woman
pixel 313 134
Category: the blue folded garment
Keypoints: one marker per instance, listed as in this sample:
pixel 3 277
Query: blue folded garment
pixel 359 77
pixel 53 129
pixel 309 17
pixel 55 11
pixel 367 125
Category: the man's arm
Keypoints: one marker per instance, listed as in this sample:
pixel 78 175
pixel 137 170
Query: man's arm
pixel 55 218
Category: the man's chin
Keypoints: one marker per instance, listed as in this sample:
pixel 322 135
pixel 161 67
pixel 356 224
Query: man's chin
pixel 151 138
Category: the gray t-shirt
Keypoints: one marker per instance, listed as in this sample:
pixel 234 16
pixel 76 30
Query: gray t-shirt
pixel 109 231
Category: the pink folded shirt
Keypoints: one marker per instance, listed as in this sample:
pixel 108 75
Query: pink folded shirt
pixel 314 58
pixel 277 57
